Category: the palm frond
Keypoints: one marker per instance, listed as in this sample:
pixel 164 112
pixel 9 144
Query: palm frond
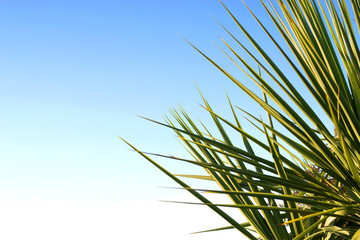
pixel 294 179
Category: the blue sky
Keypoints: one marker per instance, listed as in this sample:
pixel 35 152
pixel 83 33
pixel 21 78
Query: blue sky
pixel 74 75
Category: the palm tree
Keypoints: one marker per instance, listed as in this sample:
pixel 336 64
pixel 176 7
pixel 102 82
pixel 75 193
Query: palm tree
pixel 308 185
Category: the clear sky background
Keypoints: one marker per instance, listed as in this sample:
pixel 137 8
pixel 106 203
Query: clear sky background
pixel 74 75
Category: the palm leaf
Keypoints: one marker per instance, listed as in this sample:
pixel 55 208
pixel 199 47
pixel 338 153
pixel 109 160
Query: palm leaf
pixel 293 179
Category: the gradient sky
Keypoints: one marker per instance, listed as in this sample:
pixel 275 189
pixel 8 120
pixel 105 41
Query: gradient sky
pixel 74 75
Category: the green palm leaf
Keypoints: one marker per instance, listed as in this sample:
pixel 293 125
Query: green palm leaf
pixel 305 181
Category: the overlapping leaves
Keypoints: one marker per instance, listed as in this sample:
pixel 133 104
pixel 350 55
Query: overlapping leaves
pixel 310 186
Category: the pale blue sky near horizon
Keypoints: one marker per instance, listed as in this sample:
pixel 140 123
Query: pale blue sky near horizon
pixel 74 75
